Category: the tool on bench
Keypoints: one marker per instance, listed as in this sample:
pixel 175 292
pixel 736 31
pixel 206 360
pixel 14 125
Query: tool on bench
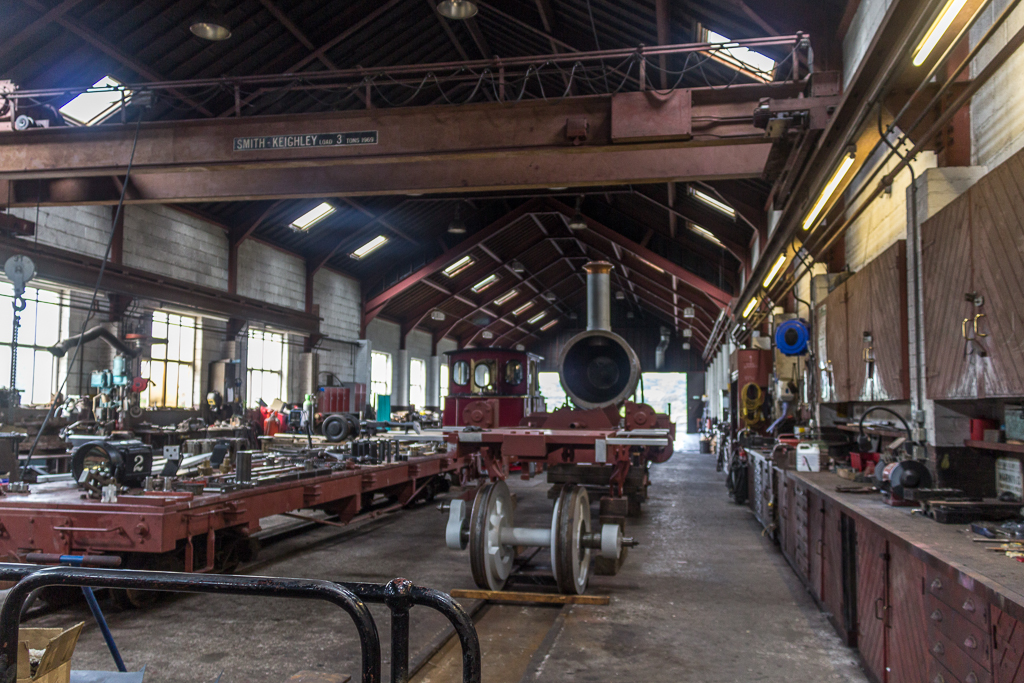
pixel 107 561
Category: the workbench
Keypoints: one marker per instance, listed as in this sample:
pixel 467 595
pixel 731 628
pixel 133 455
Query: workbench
pixel 920 600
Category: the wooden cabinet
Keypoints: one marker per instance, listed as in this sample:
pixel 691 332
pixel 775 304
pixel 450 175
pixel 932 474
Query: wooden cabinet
pixel 1007 648
pixel 815 543
pixel 906 632
pixel 872 600
pixel 862 337
pixel 837 561
pixel 973 285
pixel 833 358
pixel 801 541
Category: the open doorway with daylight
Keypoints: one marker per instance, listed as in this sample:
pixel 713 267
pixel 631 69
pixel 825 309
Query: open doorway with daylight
pixel 666 393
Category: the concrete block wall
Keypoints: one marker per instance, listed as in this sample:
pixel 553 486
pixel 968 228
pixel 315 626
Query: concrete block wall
pixel 885 220
pixel 81 229
pixel 997 128
pixel 339 300
pixel 272 275
pixel 168 242
pixel 857 40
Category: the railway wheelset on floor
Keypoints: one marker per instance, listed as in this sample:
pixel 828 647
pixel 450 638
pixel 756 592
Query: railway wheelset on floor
pixel 606 444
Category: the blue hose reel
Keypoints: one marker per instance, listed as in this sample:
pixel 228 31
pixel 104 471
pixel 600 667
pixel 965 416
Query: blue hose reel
pixel 791 337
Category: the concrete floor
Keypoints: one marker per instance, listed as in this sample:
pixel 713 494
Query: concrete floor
pixel 704 598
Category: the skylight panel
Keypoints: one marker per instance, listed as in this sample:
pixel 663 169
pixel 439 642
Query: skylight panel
pixel 95 105
pixel 374 244
pixel 754 64
pixel 312 217
pixel 459 266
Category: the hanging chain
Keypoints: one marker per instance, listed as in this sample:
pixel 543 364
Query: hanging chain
pixel 19 306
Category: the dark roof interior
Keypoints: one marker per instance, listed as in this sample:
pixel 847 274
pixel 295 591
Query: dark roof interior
pixel 65 43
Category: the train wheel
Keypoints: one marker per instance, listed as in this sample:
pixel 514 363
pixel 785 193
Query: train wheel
pixel 490 560
pixel 569 559
pixel 336 428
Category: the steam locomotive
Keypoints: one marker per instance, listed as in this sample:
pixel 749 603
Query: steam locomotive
pixel 605 444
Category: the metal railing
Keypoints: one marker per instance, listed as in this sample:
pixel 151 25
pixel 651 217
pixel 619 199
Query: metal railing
pixel 399 595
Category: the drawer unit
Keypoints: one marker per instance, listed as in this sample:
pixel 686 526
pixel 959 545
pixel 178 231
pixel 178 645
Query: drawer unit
pixel 940 674
pixel 971 640
pixel 955 660
pixel 966 603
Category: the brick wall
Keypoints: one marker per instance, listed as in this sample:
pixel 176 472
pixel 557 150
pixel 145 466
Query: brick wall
pixel 271 275
pixel 82 229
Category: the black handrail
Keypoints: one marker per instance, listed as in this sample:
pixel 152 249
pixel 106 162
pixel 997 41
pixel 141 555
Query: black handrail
pixel 10 613
pixel 399 595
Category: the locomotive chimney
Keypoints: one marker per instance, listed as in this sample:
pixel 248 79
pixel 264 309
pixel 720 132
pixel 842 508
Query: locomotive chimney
pixel 599 290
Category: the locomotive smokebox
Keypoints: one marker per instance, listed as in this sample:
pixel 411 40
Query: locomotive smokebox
pixel 597 367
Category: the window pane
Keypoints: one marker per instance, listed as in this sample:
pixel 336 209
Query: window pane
pixel 156 390
pixel 184 386
pixel 171 385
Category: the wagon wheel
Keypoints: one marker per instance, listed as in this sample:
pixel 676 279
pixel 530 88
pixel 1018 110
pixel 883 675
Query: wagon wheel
pixel 490 560
pixel 569 559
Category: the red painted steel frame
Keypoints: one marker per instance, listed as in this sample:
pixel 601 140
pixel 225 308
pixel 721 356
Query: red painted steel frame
pixel 58 520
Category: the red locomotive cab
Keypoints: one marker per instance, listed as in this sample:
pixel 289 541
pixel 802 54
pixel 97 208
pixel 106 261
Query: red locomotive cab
pixel 491 388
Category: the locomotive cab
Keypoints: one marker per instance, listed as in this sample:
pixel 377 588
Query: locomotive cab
pixel 491 387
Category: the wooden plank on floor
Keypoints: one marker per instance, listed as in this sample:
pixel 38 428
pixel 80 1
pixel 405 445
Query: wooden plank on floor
pixel 530 598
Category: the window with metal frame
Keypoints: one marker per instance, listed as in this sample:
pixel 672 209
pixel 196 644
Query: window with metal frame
pixel 44 322
pixel 266 372
pixel 171 368
pixel 418 382
pixel 380 375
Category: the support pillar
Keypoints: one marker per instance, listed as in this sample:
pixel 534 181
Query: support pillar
pixel 400 389
pixel 434 397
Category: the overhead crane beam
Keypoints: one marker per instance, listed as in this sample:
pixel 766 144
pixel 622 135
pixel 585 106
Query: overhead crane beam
pixel 630 138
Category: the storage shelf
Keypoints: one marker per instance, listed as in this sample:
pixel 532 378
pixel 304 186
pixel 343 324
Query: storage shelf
pixel 992 446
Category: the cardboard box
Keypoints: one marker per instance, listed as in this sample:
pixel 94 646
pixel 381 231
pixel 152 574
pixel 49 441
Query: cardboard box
pixel 57 644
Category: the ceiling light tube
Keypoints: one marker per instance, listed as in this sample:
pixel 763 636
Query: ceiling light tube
pixel 712 202
pixel 830 188
pixel 547 326
pixel 775 270
pixel 750 308
pixel 506 297
pixel 312 217
pixel 522 309
pixel 485 283
pixel 937 30
pixel 459 266
pixel 537 318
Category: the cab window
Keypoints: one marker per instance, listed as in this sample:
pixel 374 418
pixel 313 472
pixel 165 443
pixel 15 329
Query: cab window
pixel 484 376
pixel 513 373
pixel 460 373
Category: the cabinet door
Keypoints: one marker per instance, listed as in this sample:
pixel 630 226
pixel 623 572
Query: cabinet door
pixel 858 322
pixel 835 380
pixel 832 568
pixel 906 624
pixel 946 270
pixel 787 534
pixel 815 541
pixel 872 599
pixel 997 207
pixel 801 551
pixel 889 337
pixel 1007 648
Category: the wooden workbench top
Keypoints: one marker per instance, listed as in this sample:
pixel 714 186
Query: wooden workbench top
pixel 983 571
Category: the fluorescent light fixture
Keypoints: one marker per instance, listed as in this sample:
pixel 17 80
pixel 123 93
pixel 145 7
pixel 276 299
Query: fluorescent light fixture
pixel 775 270
pixel 934 34
pixel 522 309
pixel 457 9
pixel 537 318
pixel 312 217
pixel 487 334
pixel 520 347
pixel 94 105
pixel 374 244
pixel 437 315
pixel 506 297
pixel 750 308
pixel 547 326
pixel 712 202
pixel 459 266
pixel 485 283
pixel 830 188
pixel 705 233
pixel 743 59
